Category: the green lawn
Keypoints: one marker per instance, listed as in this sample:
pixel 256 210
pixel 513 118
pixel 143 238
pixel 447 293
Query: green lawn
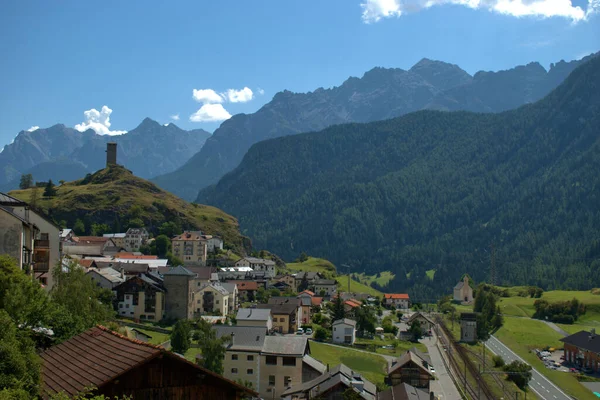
pixel 190 355
pixel 313 264
pixel 371 366
pixel 522 335
pixel 356 287
pixel 430 273
pixel 157 337
pixel 383 279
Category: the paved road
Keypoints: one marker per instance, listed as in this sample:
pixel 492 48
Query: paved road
pixel 444 385
pixel 556 328
pixel 539 383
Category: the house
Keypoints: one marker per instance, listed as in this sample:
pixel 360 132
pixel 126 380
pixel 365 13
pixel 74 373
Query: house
pixel 258 264
pixel 142 297
pixel 412 369
pixel 216 297
pixel 309 277
pixel 285 316
pixel 289 280
pixel 397 300
pixel 179 283
pixel 282 300
pixel 153 263
pixel 468 327
pixel 270 363
pixel 135 238
pixel 327 286
pixel 117 238
pixel 427 323
pixel 306 305
pixel 128 269
pixel 30 237
pixel 281 286
pixel 463 292
pixel 66 236
pixel 331 385
pixel 351 305
pixel 255 317
pixel 106 278
pixel 191 247
pixel 404 391
pixel 317 301
pixel 344 331
pixel 214 243
pixel 246 289
pixel 90 246
pixel 583 349
pixel 117 366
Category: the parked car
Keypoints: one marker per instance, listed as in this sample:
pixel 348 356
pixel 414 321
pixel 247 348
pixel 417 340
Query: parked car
pixel 300 331
pixel 309 331
pixel 431 369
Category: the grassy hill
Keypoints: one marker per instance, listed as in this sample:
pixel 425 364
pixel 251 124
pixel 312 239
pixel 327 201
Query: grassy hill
pixel 115 197
pixel 313 264
pixel 356 287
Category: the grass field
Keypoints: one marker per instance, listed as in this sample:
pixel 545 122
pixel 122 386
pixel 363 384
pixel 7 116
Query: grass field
pixel 430 273
pixel 383 279
pixel 157 337
pixel 371 366
pixel 356 287
pixel 313 264
pixel 522 335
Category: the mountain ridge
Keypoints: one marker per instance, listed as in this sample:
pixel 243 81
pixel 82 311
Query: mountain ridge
pixel 147 149
pixel 432 190
pixel 381 93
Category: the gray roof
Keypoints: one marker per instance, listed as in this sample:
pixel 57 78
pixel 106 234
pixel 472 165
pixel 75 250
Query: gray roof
pixel 584 340
pixel 179 270
pixel 338 374
pixel 345 321
pixel 215 286
pixel 114 235
pixel 290 345
pixel 109 274
pixel 230 287
pixel 418 352
pixel 129 268
pixel 254 260
pixel 403 391
pixel 310 275
pixel 420 314
pixel 250 338
pixel 407 357
pixel 9 200
pixel 305 300
pixel 65 232
pixel 281 309
pixel 253 314
pixel 325 282
pixel 314 364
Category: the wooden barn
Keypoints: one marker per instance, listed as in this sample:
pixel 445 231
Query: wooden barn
pixel 113 365
pixel 410 368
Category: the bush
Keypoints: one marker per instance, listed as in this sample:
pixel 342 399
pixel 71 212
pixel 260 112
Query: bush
pixel 321 334
pixel 498 361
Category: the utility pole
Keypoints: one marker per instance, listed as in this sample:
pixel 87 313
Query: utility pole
pixel 479 383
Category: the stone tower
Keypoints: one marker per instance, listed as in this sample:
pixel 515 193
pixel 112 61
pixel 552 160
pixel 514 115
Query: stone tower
pixel 111 153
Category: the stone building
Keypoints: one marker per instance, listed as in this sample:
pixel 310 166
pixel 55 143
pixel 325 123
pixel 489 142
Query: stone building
pixel 179 283
pixel 468 327
pixel 463 292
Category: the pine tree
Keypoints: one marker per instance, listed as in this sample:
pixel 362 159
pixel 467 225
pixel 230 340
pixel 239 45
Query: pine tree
pixel 50 190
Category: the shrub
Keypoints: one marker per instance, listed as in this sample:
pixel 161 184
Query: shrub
pixel 498 361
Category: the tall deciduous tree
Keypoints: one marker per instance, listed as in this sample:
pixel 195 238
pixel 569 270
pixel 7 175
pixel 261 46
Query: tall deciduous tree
pixel 180 337
pixel 163 245
pixel 338 308
pixel 212 348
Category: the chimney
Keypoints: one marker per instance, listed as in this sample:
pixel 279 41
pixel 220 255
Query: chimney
pixel 111 153
pixel 232 338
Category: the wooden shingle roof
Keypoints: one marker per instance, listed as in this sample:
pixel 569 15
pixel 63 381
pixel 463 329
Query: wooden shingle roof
pixel 92 358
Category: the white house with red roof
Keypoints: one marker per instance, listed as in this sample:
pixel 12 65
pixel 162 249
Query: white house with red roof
pixel 398 300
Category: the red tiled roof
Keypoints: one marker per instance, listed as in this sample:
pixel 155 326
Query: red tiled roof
pixel 85 263
pixel 98 356
pixel 308 292
pixel 316 301
pixel 396 296
pixel 352 303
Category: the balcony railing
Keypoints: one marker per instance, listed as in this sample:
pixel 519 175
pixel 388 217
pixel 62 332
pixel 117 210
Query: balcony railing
pixel 41 244
pixel 41 267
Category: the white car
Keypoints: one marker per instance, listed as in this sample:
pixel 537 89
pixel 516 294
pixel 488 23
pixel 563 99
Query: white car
pixel 431 369
pixel 300 331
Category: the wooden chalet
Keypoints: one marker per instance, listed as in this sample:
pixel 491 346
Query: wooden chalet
pixel 410 368
pixel 112 365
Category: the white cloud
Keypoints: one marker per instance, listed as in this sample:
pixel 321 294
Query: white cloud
pixel 206 96
pixel 239 96
pixel 99 121
pixel 375 10
pixel 261 91
pixel 174 117
pixel 33 128
pixel 210 113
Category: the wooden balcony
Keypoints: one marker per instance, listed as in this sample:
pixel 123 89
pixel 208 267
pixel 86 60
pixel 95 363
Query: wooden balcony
pixel 41 267
pixel 41 244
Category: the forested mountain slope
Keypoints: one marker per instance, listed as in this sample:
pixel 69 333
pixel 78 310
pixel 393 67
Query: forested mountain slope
pixel 433 190
pixel 382 93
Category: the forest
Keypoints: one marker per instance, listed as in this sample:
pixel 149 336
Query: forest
pixel 437 191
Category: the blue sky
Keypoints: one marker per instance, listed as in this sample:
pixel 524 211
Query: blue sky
pixel 145 59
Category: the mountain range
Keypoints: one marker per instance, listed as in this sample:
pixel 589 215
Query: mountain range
pixel 434 190
pixel 380 94
pixel 62 153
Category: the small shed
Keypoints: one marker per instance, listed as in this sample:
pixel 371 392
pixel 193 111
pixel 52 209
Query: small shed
pixel 344 331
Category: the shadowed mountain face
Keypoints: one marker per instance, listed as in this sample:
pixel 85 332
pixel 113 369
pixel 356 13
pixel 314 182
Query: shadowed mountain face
pixel 432 190
pixel 64 153
pixel 380 94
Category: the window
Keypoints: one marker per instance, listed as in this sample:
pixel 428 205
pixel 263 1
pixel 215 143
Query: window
pixel 234 356
pixel 234 370
pixel 250 358
pixel 271 360
pixel 250 371
pixel 287 381
pixel 217 301
pixel 289 361
pixel 120 305
pixel 271 380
